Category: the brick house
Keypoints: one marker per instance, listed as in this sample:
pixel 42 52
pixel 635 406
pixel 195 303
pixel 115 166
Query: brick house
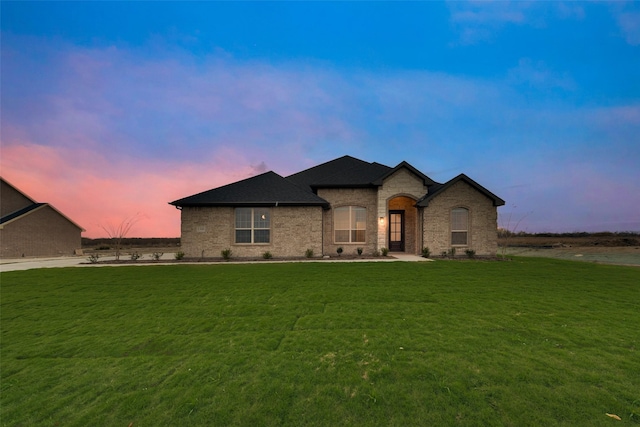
pixel 28 228
pixel 346 203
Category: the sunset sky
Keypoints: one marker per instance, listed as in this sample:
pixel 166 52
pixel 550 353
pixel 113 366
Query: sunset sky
pixel 114 109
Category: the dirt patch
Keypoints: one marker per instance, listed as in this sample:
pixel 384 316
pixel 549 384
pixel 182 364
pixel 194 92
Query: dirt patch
pixel 607 248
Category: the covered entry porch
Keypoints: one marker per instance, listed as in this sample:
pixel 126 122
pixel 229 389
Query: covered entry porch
pixel 402 233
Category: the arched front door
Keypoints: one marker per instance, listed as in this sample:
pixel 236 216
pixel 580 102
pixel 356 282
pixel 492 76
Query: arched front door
pixel 396 231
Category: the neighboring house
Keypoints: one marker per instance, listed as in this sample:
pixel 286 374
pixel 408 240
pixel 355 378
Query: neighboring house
pixel 28 228
pixel 346 203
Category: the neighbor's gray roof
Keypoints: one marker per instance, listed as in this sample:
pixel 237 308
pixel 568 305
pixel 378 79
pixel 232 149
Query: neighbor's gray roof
pixel 267 189
pixel 20 212
pixel 17 215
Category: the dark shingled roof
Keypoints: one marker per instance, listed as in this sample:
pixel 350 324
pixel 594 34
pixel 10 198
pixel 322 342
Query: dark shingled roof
pixel 345 171
pixel 436 189
pixel 271 189
pixel 267 189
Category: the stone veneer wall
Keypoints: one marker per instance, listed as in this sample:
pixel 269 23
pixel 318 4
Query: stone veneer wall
pixel 337 197
pixel 401 183
pixel 43 232
pixel 483 221
pixel 206 231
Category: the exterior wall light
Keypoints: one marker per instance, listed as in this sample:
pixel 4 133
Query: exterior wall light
pixel 381 220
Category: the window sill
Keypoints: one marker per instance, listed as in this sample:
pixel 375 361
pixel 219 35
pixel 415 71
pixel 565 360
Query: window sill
pixel 252 244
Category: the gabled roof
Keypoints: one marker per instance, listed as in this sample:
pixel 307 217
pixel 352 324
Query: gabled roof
pixel 14 188
pixel 267 189
pixel 27 210
pixel 299 189
pixel 425 179
pixel 30 209
pixel 345 171
pixel 436 189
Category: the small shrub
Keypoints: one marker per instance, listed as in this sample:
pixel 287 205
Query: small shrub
pixel 93 258
pixel 157 255
pixel 309 253
pixel 339 250
pixel 267 255
pixel 470 253
pixel 226 254
pixel 179 255
pixel 444 254
pixel 426 252
pixel 135 256
pixel 103 248
pixel 452 252
pixel 359 251
pixel 384 251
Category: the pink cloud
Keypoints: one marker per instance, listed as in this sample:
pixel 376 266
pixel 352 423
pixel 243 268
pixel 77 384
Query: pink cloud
pixel 95 193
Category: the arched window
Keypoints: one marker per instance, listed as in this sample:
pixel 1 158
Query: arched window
pixel 350 224
pixel 460 227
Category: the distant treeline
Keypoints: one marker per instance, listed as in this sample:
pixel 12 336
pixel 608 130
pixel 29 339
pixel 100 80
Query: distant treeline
pixel 577 234
pixel 133 242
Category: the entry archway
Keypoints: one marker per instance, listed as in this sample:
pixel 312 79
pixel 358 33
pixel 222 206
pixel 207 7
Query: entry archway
pixel 402 220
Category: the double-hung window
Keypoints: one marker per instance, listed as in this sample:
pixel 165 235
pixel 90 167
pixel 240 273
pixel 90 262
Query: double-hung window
pixel 460 226
pixel 350 224
pixel 253 225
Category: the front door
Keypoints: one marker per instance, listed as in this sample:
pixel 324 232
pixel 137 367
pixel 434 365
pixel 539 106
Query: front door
pixel 396 231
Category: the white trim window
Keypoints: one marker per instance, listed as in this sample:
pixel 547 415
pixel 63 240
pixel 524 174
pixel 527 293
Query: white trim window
pixel 459 227
pixel 253 225
pixel 350 224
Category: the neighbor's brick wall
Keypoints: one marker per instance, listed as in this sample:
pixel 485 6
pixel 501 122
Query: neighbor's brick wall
pixel 338 197
pixel 43 232
pixel 12 200
pixel 401 183
pixel 206 231
pixel 483 217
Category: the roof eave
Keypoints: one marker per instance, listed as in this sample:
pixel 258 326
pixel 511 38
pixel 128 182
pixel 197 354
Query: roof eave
pixel 249 204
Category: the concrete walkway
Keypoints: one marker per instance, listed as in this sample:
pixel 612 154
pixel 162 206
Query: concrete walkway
pixel 17 264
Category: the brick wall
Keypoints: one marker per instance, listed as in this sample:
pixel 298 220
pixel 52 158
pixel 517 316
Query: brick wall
pixel 362 197
pixel 43 232
pixel 12 199
pixel 483 217
pixel 206 231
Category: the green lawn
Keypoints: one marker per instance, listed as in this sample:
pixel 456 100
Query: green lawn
pixel 520 343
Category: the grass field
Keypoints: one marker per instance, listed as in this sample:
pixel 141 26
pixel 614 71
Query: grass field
pixel 520 343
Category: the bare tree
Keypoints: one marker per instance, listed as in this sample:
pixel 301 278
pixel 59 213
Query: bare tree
pixel 118 232
pixel 508 229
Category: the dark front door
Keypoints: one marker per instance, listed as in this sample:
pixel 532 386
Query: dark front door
pixel 396 231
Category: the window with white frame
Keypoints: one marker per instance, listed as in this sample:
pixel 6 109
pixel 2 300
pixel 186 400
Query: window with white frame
pixel 350 224
pixel 253 225
pixel 459 226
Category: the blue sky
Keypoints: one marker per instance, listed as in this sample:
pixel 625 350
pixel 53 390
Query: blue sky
pixel 111 109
